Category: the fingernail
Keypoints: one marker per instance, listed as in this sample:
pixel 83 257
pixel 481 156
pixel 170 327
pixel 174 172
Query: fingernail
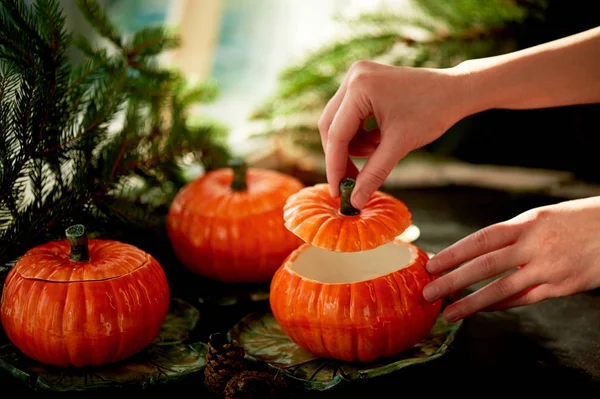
pixel 431 265
pixel 358 200
pixel 451 315
pixel 430 293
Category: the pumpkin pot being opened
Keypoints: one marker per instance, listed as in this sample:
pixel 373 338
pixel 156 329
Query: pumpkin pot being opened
pixel 228 224
pixel 355 293
pixel 79 302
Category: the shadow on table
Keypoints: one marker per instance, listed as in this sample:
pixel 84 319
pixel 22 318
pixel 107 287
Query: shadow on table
pixel 492 354
pixel 542 348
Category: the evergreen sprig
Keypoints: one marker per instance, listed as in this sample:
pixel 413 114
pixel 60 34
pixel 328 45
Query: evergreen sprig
pixel 104 142
pixel 429 33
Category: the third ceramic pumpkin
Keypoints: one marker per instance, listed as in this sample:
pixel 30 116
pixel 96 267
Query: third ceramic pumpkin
pixel 353 290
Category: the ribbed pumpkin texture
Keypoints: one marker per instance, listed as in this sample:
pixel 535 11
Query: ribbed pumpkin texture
pixel 353 290
pixel 66 312
pixel 228 224
pixel 333 224
pixel 354 309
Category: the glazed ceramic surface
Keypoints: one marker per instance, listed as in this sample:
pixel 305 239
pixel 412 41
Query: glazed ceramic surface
pixel 314 216
pixel 367 306
pixel 265 341
pixel 233 235
pixel 68 313
pixel 171 357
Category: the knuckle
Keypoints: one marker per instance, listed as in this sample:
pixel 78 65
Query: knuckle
pixel 323 125
pixel 359 80
pixel 488 264
pixel 504 287
pixel 481 238
pixel 360 75
pixel 377 175
pixel 447 284
pixel 360 65
pixel 537 215
pixel 504 230
pixel 450 256
pixel 335 139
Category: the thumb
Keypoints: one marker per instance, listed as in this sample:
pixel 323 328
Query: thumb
pixel 376 170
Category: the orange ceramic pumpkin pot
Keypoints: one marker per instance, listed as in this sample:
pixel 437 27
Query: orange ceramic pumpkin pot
pixel 336 299
pixel 83 303
pixel 359 308
pixel 228 224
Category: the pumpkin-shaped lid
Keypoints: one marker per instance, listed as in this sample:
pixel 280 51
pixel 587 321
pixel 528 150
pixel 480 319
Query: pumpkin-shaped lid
pixel 334 224
pixel 77 259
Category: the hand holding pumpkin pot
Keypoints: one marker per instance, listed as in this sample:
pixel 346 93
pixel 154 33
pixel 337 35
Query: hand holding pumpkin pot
pixel 552 251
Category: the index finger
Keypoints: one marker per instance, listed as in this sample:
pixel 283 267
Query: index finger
pixel 344 126
pixel 486 240
pixel 330 110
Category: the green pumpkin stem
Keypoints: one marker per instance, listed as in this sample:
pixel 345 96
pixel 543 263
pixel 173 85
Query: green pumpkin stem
pixel 78 239
pixel 239 174
pixel 346 188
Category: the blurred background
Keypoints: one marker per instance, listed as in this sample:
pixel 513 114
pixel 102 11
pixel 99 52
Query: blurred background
pixel 276 64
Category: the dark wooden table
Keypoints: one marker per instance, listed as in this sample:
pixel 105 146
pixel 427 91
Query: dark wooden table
pixel 539 348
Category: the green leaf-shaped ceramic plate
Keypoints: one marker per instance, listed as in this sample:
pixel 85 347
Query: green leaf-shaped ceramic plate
pixel 170 358
pixel 264 341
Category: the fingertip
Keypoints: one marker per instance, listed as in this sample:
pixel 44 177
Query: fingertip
pixel 334 185
pixel 432 266
pixel 335 173
pixel 333 182
pixel 359 199
pixel 430 292
pixel 451 314
pixel 334 190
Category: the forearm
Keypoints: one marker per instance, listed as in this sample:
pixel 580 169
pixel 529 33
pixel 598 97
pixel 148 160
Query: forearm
pixel 558 73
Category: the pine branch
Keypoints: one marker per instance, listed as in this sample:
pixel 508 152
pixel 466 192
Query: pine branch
pixel 152 41
pixel 26 23
pixel 97 17
pixel 73 138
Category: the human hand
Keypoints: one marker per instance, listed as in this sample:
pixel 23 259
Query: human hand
pixel 549 252
pixel 412 107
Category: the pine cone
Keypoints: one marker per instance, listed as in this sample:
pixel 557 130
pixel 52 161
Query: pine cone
pixel 224 360
pixel 254 385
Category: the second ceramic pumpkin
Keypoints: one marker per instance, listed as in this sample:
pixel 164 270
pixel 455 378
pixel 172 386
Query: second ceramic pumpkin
pixel 228 224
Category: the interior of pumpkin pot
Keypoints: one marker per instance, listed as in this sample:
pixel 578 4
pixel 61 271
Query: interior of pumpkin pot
pixel 349 267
